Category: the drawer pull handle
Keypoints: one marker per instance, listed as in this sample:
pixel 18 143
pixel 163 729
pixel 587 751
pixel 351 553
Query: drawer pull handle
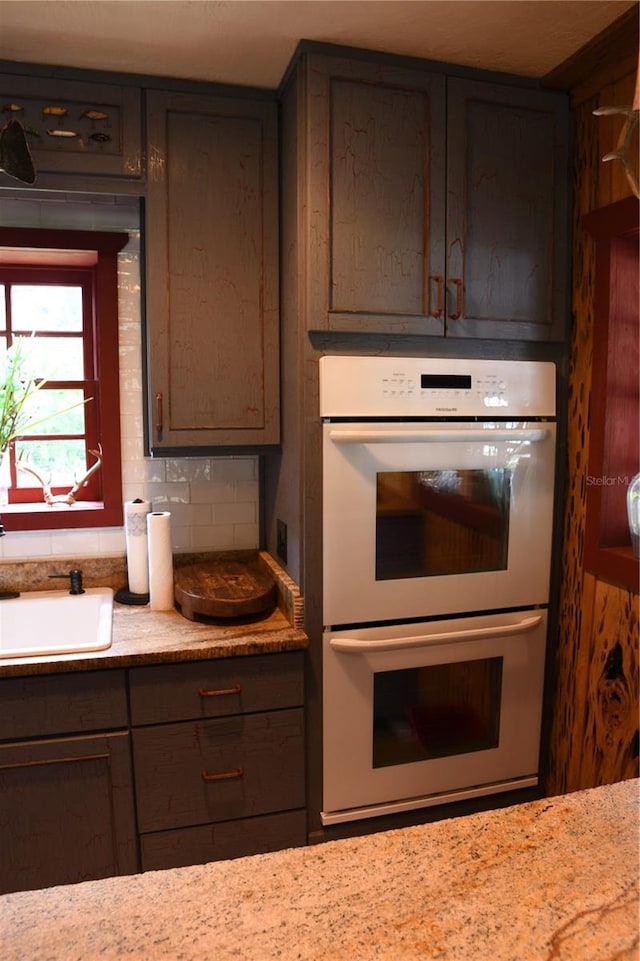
pixel 223 776
pixel 203 692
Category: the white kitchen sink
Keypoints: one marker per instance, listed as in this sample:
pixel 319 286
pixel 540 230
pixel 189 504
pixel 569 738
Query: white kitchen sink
pixel 56 622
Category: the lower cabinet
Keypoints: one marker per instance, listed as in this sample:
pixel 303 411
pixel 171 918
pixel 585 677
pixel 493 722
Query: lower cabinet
pixel 66 802
pixel 220 771
pixel 212 751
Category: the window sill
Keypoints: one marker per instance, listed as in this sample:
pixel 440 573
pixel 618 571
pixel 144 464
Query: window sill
pixel 42 517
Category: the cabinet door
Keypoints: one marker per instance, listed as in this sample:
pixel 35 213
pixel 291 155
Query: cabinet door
pixel 376 197
pixel 507 177
pixel 66 811
pixel 212 272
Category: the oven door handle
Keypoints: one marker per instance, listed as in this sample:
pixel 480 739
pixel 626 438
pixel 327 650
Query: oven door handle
pixel 343 436
pixel 351 645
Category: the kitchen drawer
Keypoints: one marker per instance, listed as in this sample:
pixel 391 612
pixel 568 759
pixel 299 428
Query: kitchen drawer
pixel 217 842
pixel 195 772
pixel 215 688
pixel 62 704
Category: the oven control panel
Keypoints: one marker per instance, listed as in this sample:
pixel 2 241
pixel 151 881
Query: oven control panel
pixel 435 387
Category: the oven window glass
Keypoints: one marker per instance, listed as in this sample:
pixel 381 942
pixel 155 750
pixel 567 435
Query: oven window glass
pixel 437 522
pixel 439 711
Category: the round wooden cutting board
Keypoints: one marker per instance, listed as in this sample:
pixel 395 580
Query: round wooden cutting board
pixel 224 589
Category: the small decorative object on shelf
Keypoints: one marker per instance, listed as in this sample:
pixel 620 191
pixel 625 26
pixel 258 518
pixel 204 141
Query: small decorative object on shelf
pixel 45 482
pixel 633 513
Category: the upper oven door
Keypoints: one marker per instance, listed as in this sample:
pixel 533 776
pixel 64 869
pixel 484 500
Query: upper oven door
pixel 427 519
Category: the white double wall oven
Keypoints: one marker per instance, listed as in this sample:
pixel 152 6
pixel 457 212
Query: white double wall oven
pixel 438 499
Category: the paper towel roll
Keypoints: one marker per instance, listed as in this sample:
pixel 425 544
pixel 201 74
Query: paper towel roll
pixel 135 528
pixel 160 561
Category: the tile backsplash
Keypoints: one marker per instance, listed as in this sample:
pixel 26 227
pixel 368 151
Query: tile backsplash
pixel 214 501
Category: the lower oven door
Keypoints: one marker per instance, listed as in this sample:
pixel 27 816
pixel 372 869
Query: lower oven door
pixel 424 713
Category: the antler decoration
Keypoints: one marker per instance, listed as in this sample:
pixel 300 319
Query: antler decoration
pixel 71 497
pixel 622 149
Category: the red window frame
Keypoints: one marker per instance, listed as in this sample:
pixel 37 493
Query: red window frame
pixel 92 256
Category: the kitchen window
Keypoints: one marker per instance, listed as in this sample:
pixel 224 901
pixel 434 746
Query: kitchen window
pixel 58 297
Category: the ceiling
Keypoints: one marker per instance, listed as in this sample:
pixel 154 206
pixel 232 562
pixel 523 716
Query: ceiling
pixel 250 42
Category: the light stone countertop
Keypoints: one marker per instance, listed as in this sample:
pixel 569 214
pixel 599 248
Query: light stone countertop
pixel 551 880
pixel 142 636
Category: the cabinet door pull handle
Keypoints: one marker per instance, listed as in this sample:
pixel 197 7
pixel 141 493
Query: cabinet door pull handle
pixel 223 776
pixel 159 415
pixel 438 279
pixel 459 302
pixel 203 692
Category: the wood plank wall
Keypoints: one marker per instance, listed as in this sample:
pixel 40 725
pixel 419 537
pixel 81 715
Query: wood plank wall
pixel 594 735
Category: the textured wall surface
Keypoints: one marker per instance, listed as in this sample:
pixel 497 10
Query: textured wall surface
pixel 594 738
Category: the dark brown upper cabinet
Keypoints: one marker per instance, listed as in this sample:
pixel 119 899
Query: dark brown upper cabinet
pixel 212 272
pixel 433 205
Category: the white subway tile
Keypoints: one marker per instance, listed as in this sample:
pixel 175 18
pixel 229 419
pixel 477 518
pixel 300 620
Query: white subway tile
pixel 111 540
pixel 215 538
pixel 233 469
pixel 25 546
pixel 167 494
pixel 242 513
pixel 212 493
pixel 196 469
pixel 245 536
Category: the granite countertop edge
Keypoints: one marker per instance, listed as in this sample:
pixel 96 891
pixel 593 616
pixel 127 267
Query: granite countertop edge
pixel 142 636
pixel 555 878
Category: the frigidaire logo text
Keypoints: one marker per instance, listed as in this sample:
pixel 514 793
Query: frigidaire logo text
pixel 446 410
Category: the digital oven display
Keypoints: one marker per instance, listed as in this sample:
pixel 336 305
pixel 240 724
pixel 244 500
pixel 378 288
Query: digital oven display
pixel 446 381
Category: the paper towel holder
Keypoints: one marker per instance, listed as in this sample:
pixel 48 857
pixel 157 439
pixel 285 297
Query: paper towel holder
pixel 125 596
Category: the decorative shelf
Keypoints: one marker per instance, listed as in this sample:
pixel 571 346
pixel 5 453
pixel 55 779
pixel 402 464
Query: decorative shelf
pixel 614 456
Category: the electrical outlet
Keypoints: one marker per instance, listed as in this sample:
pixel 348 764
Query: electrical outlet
pixel 281 545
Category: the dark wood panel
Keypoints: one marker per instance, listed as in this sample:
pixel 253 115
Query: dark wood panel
pixel 580 754
pixel 195 772
pixel 43 706
pixel 217 842
pixel 66 811
pixel 176 692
